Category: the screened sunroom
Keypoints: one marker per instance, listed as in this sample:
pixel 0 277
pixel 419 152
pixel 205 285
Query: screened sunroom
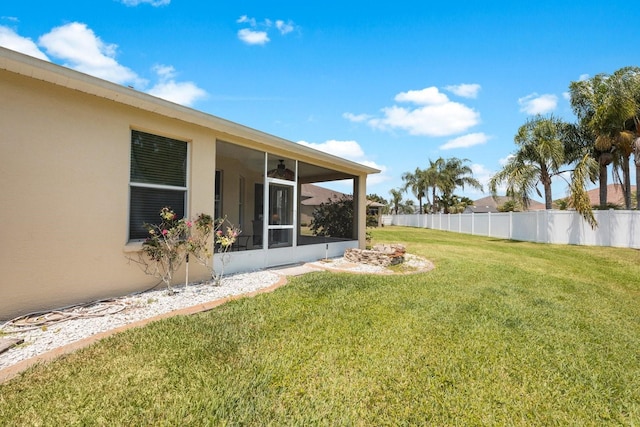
pixel 259 192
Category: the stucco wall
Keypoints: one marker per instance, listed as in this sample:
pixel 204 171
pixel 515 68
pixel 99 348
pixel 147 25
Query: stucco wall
pixel 64 166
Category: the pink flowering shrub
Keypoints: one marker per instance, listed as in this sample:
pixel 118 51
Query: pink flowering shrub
pixel 174 240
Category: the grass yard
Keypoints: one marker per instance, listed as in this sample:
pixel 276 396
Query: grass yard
pixel 500 333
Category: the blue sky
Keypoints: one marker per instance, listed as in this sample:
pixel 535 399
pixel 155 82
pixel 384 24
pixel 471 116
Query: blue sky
pixel 390 85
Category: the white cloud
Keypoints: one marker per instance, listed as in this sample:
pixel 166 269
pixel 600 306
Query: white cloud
pixel 348 149
pixel 164 72
pixel 538 104
pixel 482 174
pixel 377 178
pixel 357 118
pixel 184 93
pixel 465 90
pixel 426 96
pixel 258 33
pixel 154 3
pixel 435 115
pixel 435 120
pixel 506 160
pixel 244 19
pixel 465 141
pixel 253 37
pixel 284 27
pixel 11 40
pixel 85 52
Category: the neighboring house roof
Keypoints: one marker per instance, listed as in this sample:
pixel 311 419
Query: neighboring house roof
pixel 46 71
pixel 615 195
pixel 491 204
pixel 374 204
pixel 314 195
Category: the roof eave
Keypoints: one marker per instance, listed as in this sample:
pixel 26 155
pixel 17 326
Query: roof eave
pixel 55 74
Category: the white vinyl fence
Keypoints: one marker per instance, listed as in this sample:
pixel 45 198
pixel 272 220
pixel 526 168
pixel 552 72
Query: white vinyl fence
pixel 615 228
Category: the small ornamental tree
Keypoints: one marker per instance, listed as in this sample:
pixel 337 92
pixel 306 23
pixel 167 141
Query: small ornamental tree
pixel 224 241
pixel 174 240
pixel 334 218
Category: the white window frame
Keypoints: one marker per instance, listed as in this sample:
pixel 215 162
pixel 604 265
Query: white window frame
pixel 184 189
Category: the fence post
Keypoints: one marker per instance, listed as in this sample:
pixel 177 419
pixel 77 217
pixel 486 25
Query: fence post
pixel 548 215
pixel 473 224
pixel 610 215
pixel 489 224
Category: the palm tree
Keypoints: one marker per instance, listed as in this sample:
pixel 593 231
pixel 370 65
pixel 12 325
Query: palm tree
pixel 540 155
pixel 581 154
pixel 408 207
pixel 459 204
pixel 432 180
pixel 586 96
pixel 604 104
pixel 454 174
pixel 396 199
pixel 627 82
pixel 416 183
pixel 586 169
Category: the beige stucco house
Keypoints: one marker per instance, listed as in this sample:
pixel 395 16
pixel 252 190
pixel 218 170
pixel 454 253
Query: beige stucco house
pixel 85 162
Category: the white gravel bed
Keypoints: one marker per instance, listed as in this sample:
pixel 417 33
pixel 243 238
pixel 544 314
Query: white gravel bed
pixel 121 311
pixel 112 314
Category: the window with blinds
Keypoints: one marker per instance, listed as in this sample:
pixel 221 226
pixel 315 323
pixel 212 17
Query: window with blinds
pixel 158 178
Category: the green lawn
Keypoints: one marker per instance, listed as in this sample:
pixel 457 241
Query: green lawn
pixel 499 333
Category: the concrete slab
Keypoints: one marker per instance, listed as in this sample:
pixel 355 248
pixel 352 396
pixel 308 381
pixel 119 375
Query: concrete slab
pixel 295 270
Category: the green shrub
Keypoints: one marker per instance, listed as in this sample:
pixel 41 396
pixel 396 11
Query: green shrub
pixel 334 218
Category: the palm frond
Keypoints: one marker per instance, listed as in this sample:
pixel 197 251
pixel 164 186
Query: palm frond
pixel 586 170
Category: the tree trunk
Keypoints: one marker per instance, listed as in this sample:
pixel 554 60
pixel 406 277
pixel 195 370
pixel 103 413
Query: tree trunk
pixel 548 199
pixel 638 183
pixel 427 205
pixel 434 200
pixel 546 182
pixel 603 160
pixel 627 183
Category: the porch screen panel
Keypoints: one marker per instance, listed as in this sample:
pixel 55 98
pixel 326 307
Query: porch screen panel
pixel 158 178
pixel 280 205
pixel 280 215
